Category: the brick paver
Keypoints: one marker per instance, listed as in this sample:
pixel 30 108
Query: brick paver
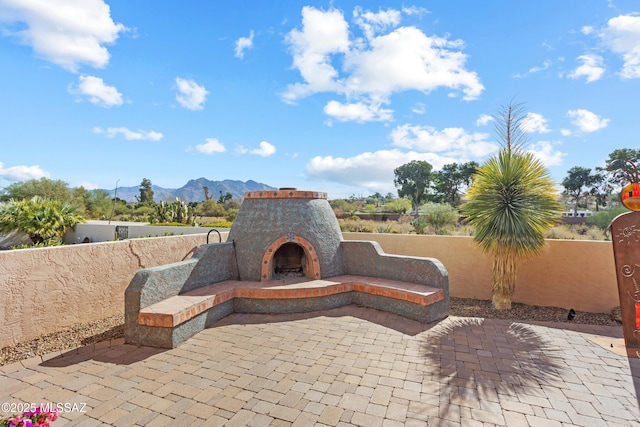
pixel 348 366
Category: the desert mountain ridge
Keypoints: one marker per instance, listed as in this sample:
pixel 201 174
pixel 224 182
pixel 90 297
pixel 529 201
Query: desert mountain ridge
pixel 193 190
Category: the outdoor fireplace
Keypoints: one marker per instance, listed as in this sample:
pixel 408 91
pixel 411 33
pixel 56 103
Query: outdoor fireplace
pixel 284 254
pixel 286 232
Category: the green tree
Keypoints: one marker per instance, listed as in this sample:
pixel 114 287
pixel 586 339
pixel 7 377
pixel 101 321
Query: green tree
pixel 98 204
pixel 449 182
pixel 413 181
pixel 41 219
pixel 43 187
pixel 439 216
pixel 511 204
pixel 619 168
pixel 400 206
pixel 577 184
pixel 146 192
pixel 210 207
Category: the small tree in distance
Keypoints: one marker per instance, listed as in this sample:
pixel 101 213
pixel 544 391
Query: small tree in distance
pixel 413 181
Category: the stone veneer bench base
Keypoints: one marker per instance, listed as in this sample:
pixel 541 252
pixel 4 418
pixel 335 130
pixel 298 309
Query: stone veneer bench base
pixel 168 323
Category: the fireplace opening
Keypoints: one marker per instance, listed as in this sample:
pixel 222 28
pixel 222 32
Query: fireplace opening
pixel 289 261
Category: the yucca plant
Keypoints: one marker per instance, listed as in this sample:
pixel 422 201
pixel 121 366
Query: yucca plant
pixel 511 203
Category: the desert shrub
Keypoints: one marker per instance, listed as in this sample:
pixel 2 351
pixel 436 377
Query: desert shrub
pixel 439 216
pixel 386 228
pixel 575 232
pixel 602 219
pixel 420 225
pixel 232 214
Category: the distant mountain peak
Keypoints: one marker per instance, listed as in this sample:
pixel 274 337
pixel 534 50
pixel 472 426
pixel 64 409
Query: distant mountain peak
pixel 193 190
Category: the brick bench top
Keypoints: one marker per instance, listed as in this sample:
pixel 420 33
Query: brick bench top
pixel 180 308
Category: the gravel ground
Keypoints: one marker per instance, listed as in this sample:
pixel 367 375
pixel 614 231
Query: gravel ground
pixel 112 327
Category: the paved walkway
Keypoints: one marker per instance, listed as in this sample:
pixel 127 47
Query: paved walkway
pixel 349 366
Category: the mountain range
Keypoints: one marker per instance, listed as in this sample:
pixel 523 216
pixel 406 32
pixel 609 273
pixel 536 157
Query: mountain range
pixel 192 191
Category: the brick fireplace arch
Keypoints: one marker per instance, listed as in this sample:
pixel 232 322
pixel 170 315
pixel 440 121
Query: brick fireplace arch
pixel 311 266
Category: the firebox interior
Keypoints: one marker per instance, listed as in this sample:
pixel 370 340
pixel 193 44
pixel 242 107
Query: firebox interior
pixel 289 260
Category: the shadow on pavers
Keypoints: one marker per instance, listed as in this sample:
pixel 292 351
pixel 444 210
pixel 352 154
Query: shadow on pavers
pixel 114 351
pixel 388 320
pixel 474 357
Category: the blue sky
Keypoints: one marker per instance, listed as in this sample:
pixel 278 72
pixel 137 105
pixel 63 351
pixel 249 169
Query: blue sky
pixel 327 96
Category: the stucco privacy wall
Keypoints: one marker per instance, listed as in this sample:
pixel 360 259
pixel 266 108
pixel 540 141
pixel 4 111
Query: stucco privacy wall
pixel 44 290
pixel 47 289
pixel 576 274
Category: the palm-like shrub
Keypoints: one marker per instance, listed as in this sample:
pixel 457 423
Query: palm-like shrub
pixel 511 204
pixel 41 219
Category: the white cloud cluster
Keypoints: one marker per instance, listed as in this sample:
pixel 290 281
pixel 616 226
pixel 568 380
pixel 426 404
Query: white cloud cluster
pixel 357 111
pixel 97 91
pixel 374 170
pixel 484 120
pixel 586 121
pixel 535 123
pixel 265 149
pixel 129 134
pixel 456 142
pixel 373 67
pixel 191 95
pixel 544 151
pixel 242 44
pixel 65 32
pixel 622 36
pixel 592 68
pixel 370 170
pixel 22 173
pixel 211 145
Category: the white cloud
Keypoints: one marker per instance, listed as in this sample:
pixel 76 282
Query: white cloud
pixel 545 152
pixel 129 134
pixel 545 65
pixel 622 36
pixel 65 32
pixel 591 68
pixel 565 132
pixel 372 170
pixel 265 149
pixel 586 30
pixel 484 120
pixel 586 121
pixel 535 123
pixel 372 22
pixel 454 141
pixel 22 173
pixel 378 66
pixel 192 96
pixel 241 150
pixel 88 185
pixel 419 108
pixel 211 146
pixel 323 34
pixel 97 91
pixel 242 44
pixel 358 111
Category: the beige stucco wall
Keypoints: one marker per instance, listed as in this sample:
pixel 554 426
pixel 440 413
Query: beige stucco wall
pixel 578 274
pixel 47 289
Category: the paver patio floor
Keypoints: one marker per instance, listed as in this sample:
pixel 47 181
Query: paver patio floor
pixel 348 366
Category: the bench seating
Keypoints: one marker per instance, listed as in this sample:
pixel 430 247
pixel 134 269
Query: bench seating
pixel 296 295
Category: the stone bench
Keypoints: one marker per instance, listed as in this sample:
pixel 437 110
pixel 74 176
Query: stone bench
pixel 172 317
